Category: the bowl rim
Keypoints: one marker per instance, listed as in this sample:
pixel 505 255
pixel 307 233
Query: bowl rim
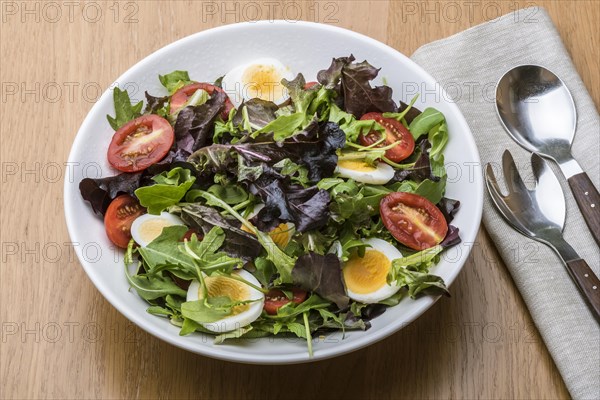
pixel 228 354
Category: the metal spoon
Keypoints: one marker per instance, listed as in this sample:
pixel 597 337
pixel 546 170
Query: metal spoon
pixel 538 112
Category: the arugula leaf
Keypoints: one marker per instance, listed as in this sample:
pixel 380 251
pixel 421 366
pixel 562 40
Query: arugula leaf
pixel 231 194
pixel 400 116
pixel 427 120
pixel 163 251
pixel 322 103
pixel 264 270
pixel 438 137
pixel 209 309
pixel 159 311
pixel 153 287
pixel 291 309
pixel 356 202
pixel 282 127
pixel 205 252
pixel 124 110
pixel 412 271
pixel 169 189
pixel 236 334
pixel 351 126
pixel 421 260
pixel 175 80
pixel 314 241
pixel 432 191
pixel 421 282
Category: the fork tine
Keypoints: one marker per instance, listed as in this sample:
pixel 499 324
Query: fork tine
pixel 492 183
pixel 498 198
pixel 500 201
pixel 513 180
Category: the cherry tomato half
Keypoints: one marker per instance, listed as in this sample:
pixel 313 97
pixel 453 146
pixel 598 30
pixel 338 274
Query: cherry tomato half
pixel 181 96
pixel 140 143
pixel 394 132
pixel 276 299
pixel 118 219
pixel 189 233
pixel 413 220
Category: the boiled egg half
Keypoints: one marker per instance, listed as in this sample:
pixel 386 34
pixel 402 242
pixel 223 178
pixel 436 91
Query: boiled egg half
pixel 360 171
pixel 148 227
pixel 260 78
pixel 366 277
pixel 236 290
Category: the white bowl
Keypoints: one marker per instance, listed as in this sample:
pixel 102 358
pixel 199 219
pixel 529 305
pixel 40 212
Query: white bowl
pixel 307 48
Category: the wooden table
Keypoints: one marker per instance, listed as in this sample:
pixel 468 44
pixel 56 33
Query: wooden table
pixel 61 339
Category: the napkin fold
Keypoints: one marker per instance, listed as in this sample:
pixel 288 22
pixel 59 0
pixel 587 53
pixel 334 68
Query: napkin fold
pixel 468 65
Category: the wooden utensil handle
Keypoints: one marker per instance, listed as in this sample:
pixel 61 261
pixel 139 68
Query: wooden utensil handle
pixel 588 284
pixel 588 200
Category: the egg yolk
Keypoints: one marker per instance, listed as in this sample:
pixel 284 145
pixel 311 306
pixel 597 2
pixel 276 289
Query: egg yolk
pixel 281 235
pixel 367 274
pixel 152 228
pixel 356 165
pixel 218 286
pixel 263 81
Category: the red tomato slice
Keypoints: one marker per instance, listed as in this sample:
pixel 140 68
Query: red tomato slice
pixel 394 132
pixel 140 143
pixel 308 85
pixel 181 96
pixel 189 233
pixel 276 299
pixel 413 220
pixel 118 219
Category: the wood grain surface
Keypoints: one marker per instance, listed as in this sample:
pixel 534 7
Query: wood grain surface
pixel 61 339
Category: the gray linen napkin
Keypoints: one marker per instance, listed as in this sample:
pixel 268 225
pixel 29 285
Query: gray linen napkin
pixel 468 65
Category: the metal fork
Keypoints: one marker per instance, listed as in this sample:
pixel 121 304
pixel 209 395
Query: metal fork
pixel 539 213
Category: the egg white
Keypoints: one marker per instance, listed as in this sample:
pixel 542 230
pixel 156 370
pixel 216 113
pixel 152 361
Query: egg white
pixel 240 320
pixel 381 175
pixel 140 224
pixel 239 90
pixel 386 290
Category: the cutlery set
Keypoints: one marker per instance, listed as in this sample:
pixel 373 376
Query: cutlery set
pixel 538 112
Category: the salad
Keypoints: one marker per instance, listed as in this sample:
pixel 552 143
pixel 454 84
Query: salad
pixel 262 204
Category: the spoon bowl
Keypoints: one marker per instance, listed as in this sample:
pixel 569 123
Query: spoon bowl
pixel 538 112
